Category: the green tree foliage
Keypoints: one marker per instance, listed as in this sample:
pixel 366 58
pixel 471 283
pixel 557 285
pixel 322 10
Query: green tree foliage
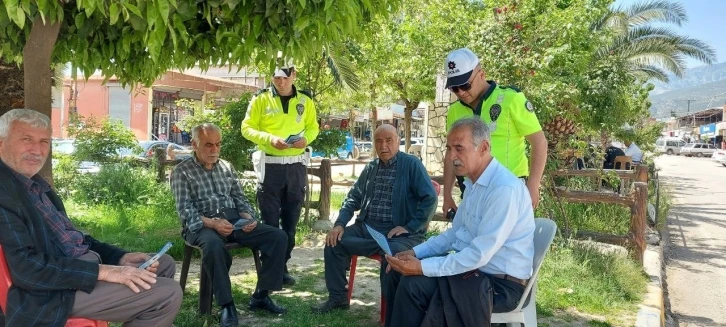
pixel 137 40
pixel 402 57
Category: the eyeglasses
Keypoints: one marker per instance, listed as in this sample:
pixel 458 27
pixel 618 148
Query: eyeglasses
pixel 465 87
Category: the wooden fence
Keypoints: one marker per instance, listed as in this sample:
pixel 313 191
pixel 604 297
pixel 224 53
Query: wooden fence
pixel 634 195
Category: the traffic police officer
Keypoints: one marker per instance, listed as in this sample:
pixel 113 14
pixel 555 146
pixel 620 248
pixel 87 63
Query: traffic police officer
pixel 510 116
pixel 282 121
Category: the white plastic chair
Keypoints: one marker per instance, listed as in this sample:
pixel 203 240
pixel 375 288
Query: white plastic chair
pixel 544 233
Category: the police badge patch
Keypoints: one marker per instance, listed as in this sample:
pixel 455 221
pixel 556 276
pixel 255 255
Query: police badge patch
pixel 300 110
pixel 494 111
pixel 529 106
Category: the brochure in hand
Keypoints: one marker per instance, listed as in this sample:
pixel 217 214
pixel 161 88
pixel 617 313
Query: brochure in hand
pixel 156 257
pixel 241 223
pixel 380 239
pixel 294 138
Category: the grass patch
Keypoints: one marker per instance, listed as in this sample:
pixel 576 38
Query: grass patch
pixel 143 228
pixel 336 199
pixel 580 277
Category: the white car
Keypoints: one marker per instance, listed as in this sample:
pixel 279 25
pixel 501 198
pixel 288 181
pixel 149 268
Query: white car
pixel 698 150
pixel 67 147
pixel 720 157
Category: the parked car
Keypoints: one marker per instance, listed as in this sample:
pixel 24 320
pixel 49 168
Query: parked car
pixel 68 147
pixel 347 151
pixel 364 146
pixel 669 145
pixel 719 156
pixel 414 141
pixel 149 147
pixel 698 149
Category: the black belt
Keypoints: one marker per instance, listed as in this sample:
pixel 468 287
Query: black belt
pixel 522 282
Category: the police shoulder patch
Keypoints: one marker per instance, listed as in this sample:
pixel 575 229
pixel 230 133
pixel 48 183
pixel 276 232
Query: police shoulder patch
pixel 512 87
pixel 306 92
pixel 529 106
pixel 260 91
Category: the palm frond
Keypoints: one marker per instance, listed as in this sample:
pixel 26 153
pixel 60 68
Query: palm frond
pixel 673 63
pixel 614 20
pixel 656 11
pixel 343 71
pixel 696 49
pixel 647 72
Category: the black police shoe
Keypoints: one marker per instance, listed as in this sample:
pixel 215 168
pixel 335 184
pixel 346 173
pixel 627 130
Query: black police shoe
pixel 287 280
pixel 228 316
pixel 266 304
pixel 330 305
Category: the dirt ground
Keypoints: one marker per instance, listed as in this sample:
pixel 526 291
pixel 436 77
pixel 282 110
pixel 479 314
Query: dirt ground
pixel 307 259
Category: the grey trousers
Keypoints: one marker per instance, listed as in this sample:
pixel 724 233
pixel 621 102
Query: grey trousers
pixel 155 307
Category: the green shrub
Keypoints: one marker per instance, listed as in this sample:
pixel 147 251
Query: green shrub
pixel 65 174
pixel 328 142
pixel 99 141
pixel 119 184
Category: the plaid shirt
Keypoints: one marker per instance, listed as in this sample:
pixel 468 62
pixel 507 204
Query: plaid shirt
pixel 198 190
pixel 72 240
pixel 380 211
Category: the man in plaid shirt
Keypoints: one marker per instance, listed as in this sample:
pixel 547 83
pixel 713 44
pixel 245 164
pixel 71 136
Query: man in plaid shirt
pixel 212 208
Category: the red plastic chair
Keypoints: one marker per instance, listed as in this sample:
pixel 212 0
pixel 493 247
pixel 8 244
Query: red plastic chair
pixel 351 280
pixel 6 282
pixel 377 257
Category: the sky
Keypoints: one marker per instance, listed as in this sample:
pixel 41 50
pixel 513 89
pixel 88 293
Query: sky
pixel 705 22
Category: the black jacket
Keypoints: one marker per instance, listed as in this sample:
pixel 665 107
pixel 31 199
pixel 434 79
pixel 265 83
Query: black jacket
pixel 45 280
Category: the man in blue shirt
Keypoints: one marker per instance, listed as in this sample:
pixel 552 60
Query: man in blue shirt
pixel 396 198
pixel 489 247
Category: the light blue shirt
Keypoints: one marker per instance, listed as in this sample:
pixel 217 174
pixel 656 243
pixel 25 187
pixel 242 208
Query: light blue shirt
pixel 633 151
pixel 493 230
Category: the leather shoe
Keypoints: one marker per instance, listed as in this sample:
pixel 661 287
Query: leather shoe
pixel 287 280
pixel 266 304
pixel 329 306
pixel 228 316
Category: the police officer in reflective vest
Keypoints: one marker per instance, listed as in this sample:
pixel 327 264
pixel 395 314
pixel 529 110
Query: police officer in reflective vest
pixel 508 113
pixel 282 121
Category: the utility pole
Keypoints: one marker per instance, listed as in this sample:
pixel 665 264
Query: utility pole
pixel 689 111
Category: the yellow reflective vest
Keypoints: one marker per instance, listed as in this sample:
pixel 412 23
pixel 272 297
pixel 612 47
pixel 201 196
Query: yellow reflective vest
pixel 265 118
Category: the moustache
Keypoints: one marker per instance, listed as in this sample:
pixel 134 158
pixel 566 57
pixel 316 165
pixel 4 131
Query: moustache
pixel 29 156
pixel 458 163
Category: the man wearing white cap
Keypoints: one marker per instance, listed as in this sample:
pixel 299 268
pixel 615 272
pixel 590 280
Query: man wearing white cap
pixel 282 121
pixel 508 113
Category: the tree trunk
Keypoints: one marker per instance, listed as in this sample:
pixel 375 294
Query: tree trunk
pixel 37 55
pixel 11 88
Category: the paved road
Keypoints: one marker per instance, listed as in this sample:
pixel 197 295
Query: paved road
pixel 696 251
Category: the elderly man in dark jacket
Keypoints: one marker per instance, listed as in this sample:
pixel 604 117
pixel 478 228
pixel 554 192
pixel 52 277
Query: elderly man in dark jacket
pixel 57 271
pixel 396 198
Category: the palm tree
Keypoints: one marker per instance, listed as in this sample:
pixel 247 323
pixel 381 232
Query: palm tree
pixel 651 52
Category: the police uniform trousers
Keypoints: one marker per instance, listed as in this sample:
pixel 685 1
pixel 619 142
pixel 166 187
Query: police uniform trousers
pixel 280 198
pixel 216 260
pixel 357 240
